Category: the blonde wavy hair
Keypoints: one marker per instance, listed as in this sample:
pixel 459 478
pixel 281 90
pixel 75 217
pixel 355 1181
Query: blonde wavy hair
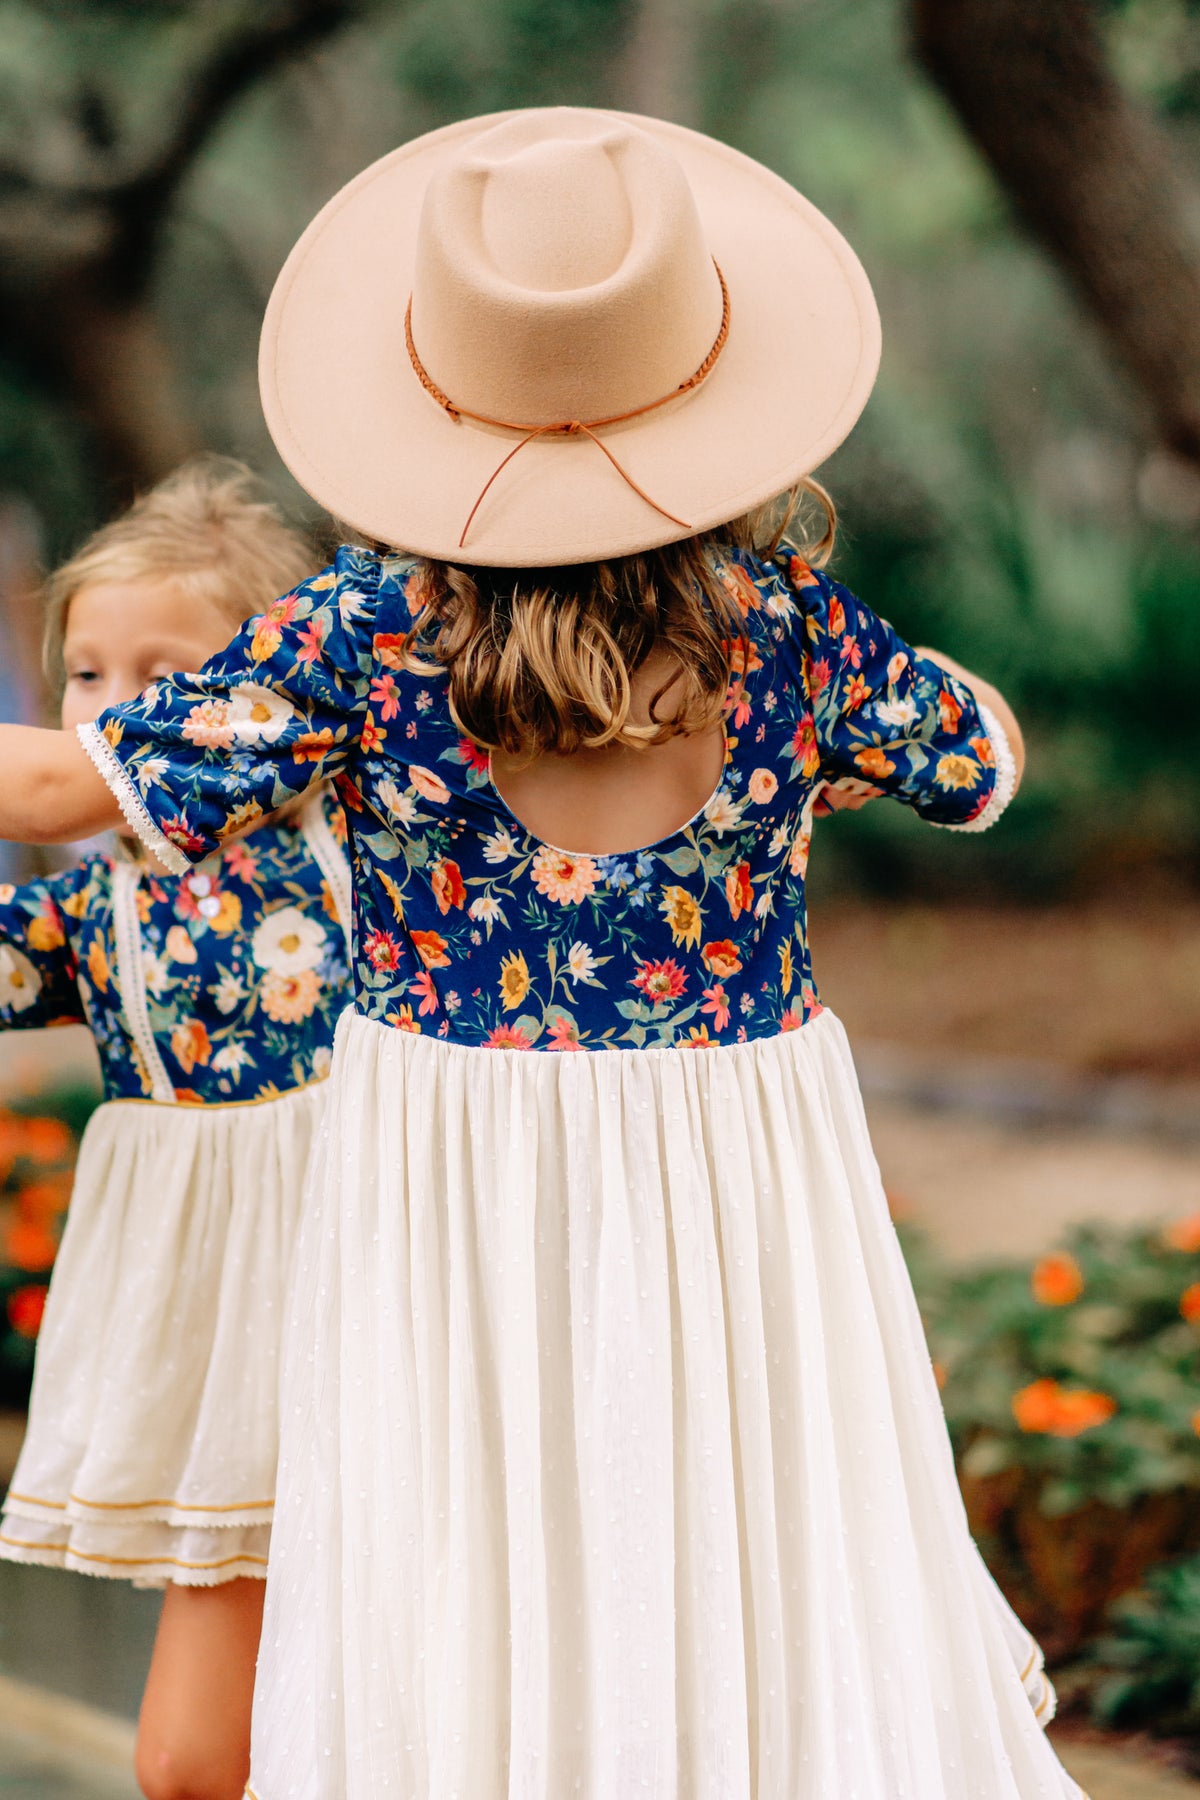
pixel 208 529
pixel 540 661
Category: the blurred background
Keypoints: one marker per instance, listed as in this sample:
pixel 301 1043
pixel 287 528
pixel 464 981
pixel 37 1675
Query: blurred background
pixel 1022 180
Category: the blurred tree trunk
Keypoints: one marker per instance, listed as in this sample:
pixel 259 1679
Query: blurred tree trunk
pixel 659 73
pixel 1089 174
pixel 79 249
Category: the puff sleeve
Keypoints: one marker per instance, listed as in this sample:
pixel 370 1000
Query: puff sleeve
pixel 198 758
pixel 886 715
pixel 38 967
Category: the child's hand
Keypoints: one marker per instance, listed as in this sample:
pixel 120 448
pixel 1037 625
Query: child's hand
pixel 844 795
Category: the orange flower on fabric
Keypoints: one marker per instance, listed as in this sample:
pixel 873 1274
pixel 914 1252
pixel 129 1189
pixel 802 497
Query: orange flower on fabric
pixel 190 1043
pixel 25 1308
pixel 1046 1407
pixel 288 998
pixel 447 883
pixel 722 958
pixel 1057 1279
pixel 45 932
pixel 97 964
pixel 738 889
pixel 1184 1234
pixel 313 746
pixel 567 880
pixel 1189 1303
pixel 428 784
pixel 388 647
pixel 875 763
pixel 431 947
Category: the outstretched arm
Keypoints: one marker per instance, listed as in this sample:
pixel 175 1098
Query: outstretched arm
pixel 990 697
pixel 49 791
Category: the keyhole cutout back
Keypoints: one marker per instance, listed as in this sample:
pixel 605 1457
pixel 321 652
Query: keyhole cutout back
pixel 616 801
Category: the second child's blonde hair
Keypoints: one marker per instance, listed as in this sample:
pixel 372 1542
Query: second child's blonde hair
pixel 208 529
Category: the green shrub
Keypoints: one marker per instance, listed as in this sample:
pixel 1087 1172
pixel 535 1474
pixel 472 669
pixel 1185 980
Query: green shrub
pixel 1153 1654
pixel 1072 1395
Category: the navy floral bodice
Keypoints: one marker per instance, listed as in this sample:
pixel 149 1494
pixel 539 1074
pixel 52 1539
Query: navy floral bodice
pixel 222 984
pixel 468 927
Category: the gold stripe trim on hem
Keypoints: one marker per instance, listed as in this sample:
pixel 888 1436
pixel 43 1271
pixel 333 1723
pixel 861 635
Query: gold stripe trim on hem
pixel 130 1562
pixel 136 1505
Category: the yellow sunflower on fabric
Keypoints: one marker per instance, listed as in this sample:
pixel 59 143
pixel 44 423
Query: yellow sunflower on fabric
pixel 514 980
pixel 682 915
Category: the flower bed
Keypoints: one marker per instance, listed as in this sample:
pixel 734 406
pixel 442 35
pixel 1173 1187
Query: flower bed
pixel 37 1160
pixel 1072 1394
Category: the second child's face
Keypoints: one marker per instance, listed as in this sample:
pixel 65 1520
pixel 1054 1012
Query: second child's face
pixel 122 635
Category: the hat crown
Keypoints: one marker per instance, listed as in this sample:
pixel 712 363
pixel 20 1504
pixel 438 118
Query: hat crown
pixel 561 272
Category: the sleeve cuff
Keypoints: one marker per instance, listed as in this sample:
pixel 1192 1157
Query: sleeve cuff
pixel 1006 778
pixel 112 771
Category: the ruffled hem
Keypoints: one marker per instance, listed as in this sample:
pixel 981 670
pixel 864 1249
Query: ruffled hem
pixel 149 1555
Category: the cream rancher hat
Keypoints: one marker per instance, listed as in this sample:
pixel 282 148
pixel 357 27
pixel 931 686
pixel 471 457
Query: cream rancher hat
pixel 558 335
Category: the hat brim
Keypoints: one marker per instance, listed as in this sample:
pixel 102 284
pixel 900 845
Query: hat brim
pixel 362 436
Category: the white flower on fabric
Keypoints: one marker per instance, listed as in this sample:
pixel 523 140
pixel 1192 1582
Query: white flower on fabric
pixel 322 1061
pixel 402 807
pixel 154 974
pixel 499 847
pixel 257 714
pixel 897 712
pixel 780 839
pixel 351 604
pixel 20 983
pixel 723 814
pixel 288 942
pixel 764 904
pixel 581 964
pixel 487 909
pixel 150 771
pixel 228 993
pixel 231 1059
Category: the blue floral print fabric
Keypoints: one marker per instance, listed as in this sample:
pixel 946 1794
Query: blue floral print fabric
pixel 243 962
pixel 470 928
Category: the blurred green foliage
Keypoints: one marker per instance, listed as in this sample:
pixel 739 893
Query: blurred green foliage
pixel 1152 1655
pixel 1000 498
